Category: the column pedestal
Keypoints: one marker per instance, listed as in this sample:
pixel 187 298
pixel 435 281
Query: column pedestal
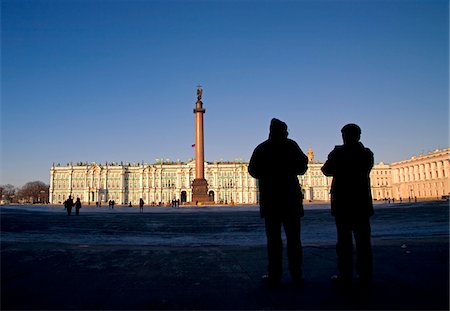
pixel 200 191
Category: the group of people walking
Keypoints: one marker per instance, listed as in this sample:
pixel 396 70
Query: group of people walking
pixel 276 163
pixel 69 204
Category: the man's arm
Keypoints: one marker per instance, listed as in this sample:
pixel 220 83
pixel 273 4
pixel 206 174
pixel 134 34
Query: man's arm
pixel 302 161
pixel 253 166
pixel 370 160
pixel 329 168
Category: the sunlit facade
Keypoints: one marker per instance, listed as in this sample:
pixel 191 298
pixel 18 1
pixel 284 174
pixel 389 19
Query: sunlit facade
pixel 315 185
pixel 423 176
pixel 229 182
pixel 381 181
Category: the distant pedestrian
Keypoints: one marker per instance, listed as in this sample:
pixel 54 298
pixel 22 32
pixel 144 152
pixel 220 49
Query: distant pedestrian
pixel 141 205
pixel 276 163
pixel 351 204
pixel 112 204
pixel 130 205
pixel 68 204
pixel 77 206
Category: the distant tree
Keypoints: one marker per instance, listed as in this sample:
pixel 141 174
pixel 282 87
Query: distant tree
pixel 34 192
pixel 7 193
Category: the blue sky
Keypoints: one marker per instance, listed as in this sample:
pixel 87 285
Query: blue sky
pixel 116 80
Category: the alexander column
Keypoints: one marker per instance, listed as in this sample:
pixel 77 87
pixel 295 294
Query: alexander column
pixel 199 185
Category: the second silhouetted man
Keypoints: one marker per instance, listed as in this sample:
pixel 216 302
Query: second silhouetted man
pixel 351 204
pixel 276 163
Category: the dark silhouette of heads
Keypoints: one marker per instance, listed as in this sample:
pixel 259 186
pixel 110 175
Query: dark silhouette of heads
pixel 351 134
pixel 278 130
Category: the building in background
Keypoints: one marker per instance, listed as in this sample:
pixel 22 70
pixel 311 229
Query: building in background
pixel 316 186
pixel 422 177
pixel 164 181
pixel 381 181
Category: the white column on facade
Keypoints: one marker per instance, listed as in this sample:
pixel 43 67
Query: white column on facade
pixel 241 186
pixel 106 191
pixel 439 169
pixel 141 183
pixel 92 179
pixel 50 190
pixel 308 186
pixel 236 185
pixel 433 170
pixel 161 185
pixel 104 174
pixel 86 187
pixel 70 180
pixel 446 168
pixel 178 179
pixel 150 185
pixel 153 173
pixel 147 186
pixel 122 187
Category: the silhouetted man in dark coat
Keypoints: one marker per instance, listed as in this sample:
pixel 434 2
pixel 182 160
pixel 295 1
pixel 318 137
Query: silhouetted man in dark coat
pixel 351 204
pixel 77 206
pixel 276 163
pixel 141 205
pixel 68 204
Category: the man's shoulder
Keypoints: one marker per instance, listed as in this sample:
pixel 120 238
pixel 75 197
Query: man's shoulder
pixel 262 145
pixel 338 153
pixel 292 142
pixel 367 150
pixel 337 150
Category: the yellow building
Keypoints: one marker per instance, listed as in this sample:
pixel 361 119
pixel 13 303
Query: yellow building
pixel 423 176
pixel 381 181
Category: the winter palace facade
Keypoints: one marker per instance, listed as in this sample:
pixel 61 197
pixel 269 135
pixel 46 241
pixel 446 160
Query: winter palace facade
pixel 424 176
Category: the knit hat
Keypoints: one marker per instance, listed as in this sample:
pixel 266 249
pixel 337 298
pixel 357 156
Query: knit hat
pixel 278 128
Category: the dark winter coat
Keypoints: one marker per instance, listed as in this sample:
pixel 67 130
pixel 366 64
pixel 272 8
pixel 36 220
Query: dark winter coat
pixel 276 163
pixel 350 166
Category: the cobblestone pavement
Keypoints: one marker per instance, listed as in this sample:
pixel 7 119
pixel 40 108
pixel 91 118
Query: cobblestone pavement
pixel 211 258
